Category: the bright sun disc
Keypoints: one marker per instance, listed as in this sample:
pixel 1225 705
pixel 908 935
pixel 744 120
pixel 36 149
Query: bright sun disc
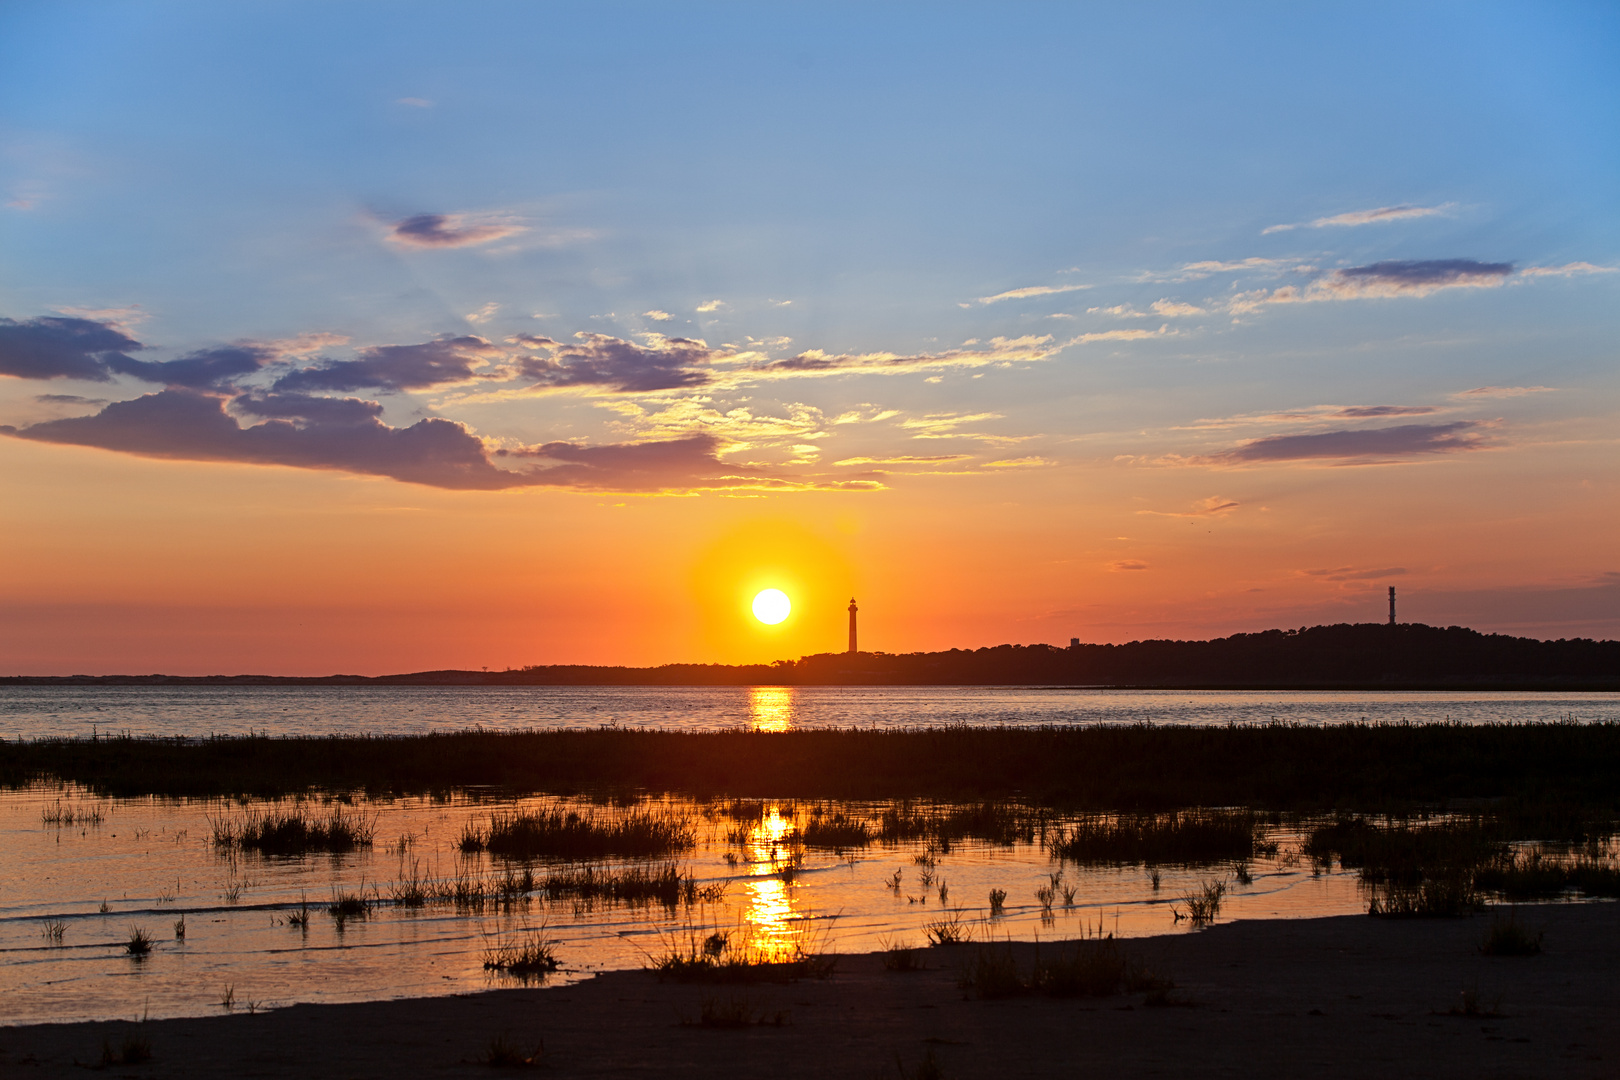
pixel 772 606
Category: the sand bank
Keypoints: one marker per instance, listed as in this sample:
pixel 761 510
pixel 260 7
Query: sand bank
pixel 1350 996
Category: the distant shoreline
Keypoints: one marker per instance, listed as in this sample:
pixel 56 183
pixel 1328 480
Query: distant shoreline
pixel 1361 656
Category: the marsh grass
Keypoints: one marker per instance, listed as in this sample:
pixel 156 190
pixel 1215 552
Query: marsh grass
pixel 1178 837
pixel 1100 968
pixel 835 830
pixel 67 815
pixel 1204 906
pixel 1539 874
pixel 349 905
pixel 135 1050
pixel 708 954
pixel 526 954
pixel 899 955
pixel 54 930
pixel 503 1053
pixel 1508 937
pixel 733 1013
pixel 1445 897
pixel 569 834
pixel 180 928
pixel 949 929
pixel 998 900
pixel 294 830
pixel 139 943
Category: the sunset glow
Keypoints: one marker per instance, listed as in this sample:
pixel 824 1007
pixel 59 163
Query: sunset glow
pixel 433 365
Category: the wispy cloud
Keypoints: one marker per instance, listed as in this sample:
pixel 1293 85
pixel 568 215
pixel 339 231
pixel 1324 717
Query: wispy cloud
pixel 1123 565
pixel 1574 269
pixel 451 230
pixel 907 459
pixel 1502 391
pixel 1378 216
pixel 712 305
pixel 1031 462
pixel 1391 278
pixel 657 316
pixel 483 314
pixel 1213 506
pixel 1359 445
pixel 1354 573
pixel 1117 335
pixel 1173 309
pixel 1311 414
pixel 1030 290
pixel 945 425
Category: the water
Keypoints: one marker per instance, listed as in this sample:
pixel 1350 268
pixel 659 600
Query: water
pixel 150 862
pixel 34 712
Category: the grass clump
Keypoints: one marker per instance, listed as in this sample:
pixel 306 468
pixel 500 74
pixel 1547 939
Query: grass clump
pixel 1507 937
pixel 502 1053
pixel 1079 969
pixel 836 831
pixel 1447 896
pixel 550 834
pixel 710 955
pixel 948 929
pixel 347 905
pixel 526 955
pixel 67 815
pixel 54 930
pixel 1540 875
pixel 898 955
pixel 294 830
pixel 635 886
pixel 135 1050
pixel 139 942
pixel 1186 837
pixel 733 1013
pixel 1204 906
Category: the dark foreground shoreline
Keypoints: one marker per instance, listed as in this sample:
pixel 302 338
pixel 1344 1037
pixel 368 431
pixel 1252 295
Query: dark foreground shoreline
pixel 1337 997
pixel 1268 767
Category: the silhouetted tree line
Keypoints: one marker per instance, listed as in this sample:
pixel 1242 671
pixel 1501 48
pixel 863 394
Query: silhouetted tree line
pixel 1342 655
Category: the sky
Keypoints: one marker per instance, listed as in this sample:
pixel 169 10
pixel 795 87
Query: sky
pixel 386 337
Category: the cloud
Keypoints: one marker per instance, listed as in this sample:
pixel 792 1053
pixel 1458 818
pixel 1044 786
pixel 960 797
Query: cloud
pixel 906 459
pixel 1172 309
pixel 1030 290
pixel 206 369
pixel 1119 311
pixel 1567 270
pixel 1502 391
pixel 1376 216
pixel 1391 278
pixel 713 305
pixel 616 365
pixel 945 425
pixel 124 319
pixel 52 347
pixel 346 435
pixel 1127 564
pixel 1196 270
pixel 450 230
pixel 397 367
pixel 1116 335
pixel 1359 444
pixel 1031 462
pixel 657 316
pixel 737 429
pixel 1351 573
pixel 483 314
pixel 1214 506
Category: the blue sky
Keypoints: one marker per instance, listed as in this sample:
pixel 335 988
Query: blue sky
pixel 1056 241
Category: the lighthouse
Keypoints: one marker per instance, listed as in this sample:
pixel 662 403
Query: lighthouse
pixel 852 610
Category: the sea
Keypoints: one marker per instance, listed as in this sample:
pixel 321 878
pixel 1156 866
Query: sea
pixel 40 712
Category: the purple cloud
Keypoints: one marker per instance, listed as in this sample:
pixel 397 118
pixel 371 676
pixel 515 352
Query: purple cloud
pixel 1406 440
pixel 207 369
pixel 618 365
pixel 55 347
pixel 1365 412
pixel 449 231
pixel 396 367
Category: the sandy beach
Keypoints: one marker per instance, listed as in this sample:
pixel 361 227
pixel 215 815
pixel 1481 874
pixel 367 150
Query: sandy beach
pixel 1349 996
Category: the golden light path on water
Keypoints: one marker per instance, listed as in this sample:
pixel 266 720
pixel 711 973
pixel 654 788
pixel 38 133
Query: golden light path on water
pixel 772 922
pixel 770 708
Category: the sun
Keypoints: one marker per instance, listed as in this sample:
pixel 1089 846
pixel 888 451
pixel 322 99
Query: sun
pixel 772 606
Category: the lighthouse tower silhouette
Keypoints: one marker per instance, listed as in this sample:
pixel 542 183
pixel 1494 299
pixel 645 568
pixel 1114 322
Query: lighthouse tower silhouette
pixel 852 610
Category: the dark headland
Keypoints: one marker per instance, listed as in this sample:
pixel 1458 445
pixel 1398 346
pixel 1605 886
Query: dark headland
pixel 1340 656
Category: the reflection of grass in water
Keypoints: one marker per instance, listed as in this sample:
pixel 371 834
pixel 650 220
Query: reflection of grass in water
pixel 67 815
pixel 1204 906
pixel 294 831
pixel 1531 875
pixel 1433 897
pixel 569 834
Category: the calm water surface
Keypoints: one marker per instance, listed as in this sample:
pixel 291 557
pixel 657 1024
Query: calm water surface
pixel 151 862
pixel 193 711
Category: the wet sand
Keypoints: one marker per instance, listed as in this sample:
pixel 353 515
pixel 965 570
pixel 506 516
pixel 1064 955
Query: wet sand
pixel 1350 996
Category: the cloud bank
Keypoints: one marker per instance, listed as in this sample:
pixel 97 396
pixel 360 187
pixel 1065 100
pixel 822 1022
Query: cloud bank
pixel 450 230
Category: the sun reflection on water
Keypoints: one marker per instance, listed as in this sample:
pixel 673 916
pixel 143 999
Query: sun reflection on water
pixel 770 708
pixel 774 925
